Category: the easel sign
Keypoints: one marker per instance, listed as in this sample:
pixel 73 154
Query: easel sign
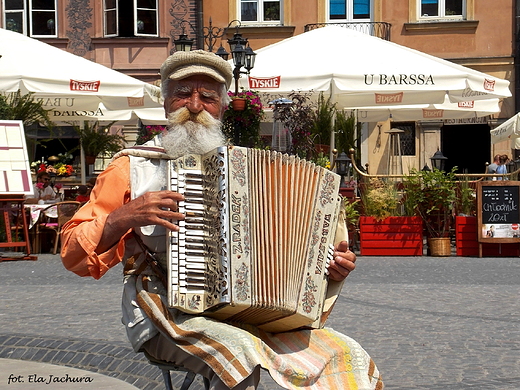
pixel 15 170
pixel 498 212
pixel 15 184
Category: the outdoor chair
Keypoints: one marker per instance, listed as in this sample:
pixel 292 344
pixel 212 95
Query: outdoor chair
pixel 166 367
pixel 65 211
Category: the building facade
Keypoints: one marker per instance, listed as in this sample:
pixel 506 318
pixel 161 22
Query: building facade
pixel 135 37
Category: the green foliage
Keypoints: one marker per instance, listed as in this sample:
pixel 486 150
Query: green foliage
pixel 352 214
pixel 322 160
pixel 96 139
pixel 432 195
pixel 380 198
pixel 347 129
pixel 15 106
pixel 466 198
pixel 247 121
pixel 323 117
pixel 298 117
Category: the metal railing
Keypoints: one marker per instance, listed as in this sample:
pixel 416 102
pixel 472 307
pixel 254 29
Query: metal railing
pixel 464 176
pixel 375 29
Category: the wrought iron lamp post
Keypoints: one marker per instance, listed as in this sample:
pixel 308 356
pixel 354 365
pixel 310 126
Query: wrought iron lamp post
pixel 343 164
pixel 438 160
pixel 243 55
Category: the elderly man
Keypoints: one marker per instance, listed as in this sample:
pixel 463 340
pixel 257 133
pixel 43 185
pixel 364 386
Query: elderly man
pixel 127 217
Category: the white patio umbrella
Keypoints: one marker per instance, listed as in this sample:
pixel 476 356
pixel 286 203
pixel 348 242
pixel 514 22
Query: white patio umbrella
pixel 70 86
pixel 509 130
pixel 360 70
pixel 446 110
pixel 73 88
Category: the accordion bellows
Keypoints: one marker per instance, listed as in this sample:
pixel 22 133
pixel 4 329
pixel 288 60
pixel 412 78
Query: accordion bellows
pixel 256 239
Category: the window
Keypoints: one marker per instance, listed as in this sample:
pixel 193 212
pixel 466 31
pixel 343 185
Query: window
pixel 130 18
pixel 441 9
pixel 407 138
pixel 350 10
pixel 260 10
pixel 35 18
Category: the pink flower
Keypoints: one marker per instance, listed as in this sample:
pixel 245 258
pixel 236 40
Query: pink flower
pixel 39 186
pixel 58 186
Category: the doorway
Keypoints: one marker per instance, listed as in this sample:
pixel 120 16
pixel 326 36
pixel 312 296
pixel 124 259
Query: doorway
pixel 467 147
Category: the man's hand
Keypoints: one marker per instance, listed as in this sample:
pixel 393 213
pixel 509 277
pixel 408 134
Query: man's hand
pixel 152 208
pixel 342 263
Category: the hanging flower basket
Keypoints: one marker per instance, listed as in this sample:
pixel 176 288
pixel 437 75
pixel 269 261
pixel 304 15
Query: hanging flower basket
pixel 238 104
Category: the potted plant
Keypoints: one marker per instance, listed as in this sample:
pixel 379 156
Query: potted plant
pixel 385 227
pixel 322 126
pixel 245 121
pixel 466 238
pixel 351 210
pixel 97 140
pixel 432 195
pixel 298 117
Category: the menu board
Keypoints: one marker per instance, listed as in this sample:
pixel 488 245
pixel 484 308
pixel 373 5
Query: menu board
pixel 15 171
pixel 498 211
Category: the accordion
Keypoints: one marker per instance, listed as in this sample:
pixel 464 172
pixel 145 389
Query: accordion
pixel 257 235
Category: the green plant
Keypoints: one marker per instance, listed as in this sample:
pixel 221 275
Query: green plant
pixel 432 196
pixel 351 210
pixel 346 128
pixel 298 118
pixel 380 198
pixel 323 117
pixel 322 160
pixel 96 139
pixel 247 121
pixel 466 203
pixel 15 106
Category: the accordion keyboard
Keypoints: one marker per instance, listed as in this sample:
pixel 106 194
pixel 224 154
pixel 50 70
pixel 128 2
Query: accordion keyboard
pixel 190 250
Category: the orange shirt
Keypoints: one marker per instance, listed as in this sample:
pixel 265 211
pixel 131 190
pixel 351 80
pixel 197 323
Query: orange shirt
pixel 80 236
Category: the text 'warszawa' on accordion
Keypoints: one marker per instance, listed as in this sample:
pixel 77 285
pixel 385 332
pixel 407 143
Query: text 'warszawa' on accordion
pixel 257 235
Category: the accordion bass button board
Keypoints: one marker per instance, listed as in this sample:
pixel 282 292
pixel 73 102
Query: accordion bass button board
pixel 257 236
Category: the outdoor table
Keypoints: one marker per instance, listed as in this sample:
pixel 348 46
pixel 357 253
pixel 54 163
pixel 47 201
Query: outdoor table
pixel 36 209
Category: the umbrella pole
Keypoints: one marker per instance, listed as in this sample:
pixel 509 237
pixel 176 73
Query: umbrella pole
pixel 82 158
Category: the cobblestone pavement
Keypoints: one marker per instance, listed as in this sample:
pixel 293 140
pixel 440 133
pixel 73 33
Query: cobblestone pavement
pixel 429 323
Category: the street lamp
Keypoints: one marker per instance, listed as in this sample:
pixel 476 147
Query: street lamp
pixel 438 160
pixel 183 43
pixel 343 164
pixel 243 55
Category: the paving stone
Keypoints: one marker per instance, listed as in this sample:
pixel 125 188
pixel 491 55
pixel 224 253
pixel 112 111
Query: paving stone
pixel 428 323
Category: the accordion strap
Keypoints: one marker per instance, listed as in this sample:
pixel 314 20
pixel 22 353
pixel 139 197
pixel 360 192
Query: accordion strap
pixel 152 261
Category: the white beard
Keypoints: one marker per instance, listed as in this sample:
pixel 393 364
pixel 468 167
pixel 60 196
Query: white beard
pixel 188 133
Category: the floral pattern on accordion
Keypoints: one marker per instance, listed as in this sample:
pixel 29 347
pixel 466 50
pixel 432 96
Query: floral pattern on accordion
pixel 241 288
pixel 238 160
pixel 327 189
pixel 309 297
pixel 315 238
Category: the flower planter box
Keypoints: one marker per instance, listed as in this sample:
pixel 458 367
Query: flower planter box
pixel 392 236
pixel 348 192
pixel 466 241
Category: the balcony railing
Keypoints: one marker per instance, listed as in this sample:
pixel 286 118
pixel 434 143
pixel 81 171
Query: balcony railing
pixel 376 29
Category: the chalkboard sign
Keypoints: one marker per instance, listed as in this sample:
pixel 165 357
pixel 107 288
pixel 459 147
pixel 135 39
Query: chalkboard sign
pixel 498 211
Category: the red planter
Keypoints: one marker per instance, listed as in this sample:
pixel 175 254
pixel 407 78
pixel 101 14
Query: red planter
pixel 348 192
pixel 392 236
pixel 466 241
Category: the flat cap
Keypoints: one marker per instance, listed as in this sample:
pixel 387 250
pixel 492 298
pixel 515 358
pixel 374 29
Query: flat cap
pixel 182 64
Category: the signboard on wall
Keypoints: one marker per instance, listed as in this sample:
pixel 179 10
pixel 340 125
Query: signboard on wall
pixel 498 211
pixel 15 170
